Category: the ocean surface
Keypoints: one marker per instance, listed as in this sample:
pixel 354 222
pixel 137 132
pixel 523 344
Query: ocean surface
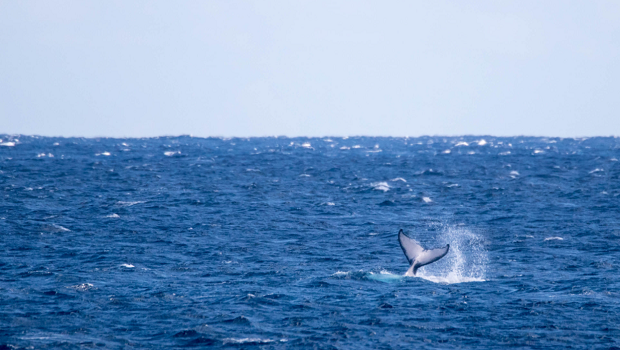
pixel 278 243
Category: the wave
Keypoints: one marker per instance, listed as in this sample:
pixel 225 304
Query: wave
pixel 380 186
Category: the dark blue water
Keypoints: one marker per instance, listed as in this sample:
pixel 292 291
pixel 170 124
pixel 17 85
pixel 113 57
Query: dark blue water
pixel 292 243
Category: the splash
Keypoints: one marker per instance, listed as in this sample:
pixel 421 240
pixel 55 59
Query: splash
pixel 466 261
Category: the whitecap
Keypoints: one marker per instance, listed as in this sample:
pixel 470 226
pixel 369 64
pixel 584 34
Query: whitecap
pixel 426 199
pixel 41 155
pixel 171 153
pixel 596 170
pixel 128 204
pixel 304 175
pixel 306 145
pixel 613 159
pixel 57 228
pixel 514 172
pixel 399 179
pixel 112 216
pixel 356 146
pixel 447 151
pixel 554 239
pixel 105 154
pixel 129 266
pixel 345 147
pixel 380 186
pixel 330 203
pixel 8 144
pixel 462 143
pixel 452 185
pixel 482 142
pixel 82 287
pixel 248 340
pixel 538 151
pixel 341 273
pixel 504 153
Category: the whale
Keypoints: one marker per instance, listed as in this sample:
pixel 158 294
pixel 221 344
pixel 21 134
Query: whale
pixel 418 256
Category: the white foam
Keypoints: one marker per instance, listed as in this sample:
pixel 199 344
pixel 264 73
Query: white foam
pixel 249 340
pixel 128 204
pixel 357 146
pixel 462 143
pixel 385 276
pixel 554 239
pixel 482 142
pixel 129 266
pixel 304 175
pixel 504 153
pixel 399 179
pixel 514 172
pixel 451 279
pixel 447 151
pixel 112 216
pixel 330 203
pixel 171 153
pixel 426 199
pixel 8 144
pixel 345 147
pixel 596 170
pixel 306 145
pixel 537 151
pixel 82 287
pixel 341 273
pixel 613 159
pixel 380 186
pixel 453 185
pixel 58 228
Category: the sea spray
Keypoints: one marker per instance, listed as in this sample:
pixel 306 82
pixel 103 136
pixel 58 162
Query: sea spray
pixel 466 262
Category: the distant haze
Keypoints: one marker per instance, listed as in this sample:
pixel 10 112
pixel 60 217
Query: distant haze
pixel 310 68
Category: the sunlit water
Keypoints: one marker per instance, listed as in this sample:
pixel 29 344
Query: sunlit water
pixel 292 243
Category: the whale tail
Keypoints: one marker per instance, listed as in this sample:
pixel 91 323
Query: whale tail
pixel 418 256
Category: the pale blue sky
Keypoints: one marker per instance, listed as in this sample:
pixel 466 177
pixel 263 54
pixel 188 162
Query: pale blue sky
pixel 310 68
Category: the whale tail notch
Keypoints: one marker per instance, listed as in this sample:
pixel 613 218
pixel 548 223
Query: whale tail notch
pixel 418 256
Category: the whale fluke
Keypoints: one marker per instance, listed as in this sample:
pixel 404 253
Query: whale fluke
pixel 418 256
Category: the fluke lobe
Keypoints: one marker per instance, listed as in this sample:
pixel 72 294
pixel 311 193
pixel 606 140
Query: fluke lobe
pixel 418 256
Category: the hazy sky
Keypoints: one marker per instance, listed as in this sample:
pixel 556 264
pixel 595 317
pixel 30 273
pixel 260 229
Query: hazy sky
pixel 313 68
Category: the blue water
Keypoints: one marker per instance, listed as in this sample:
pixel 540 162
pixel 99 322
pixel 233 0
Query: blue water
pixel 281 243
